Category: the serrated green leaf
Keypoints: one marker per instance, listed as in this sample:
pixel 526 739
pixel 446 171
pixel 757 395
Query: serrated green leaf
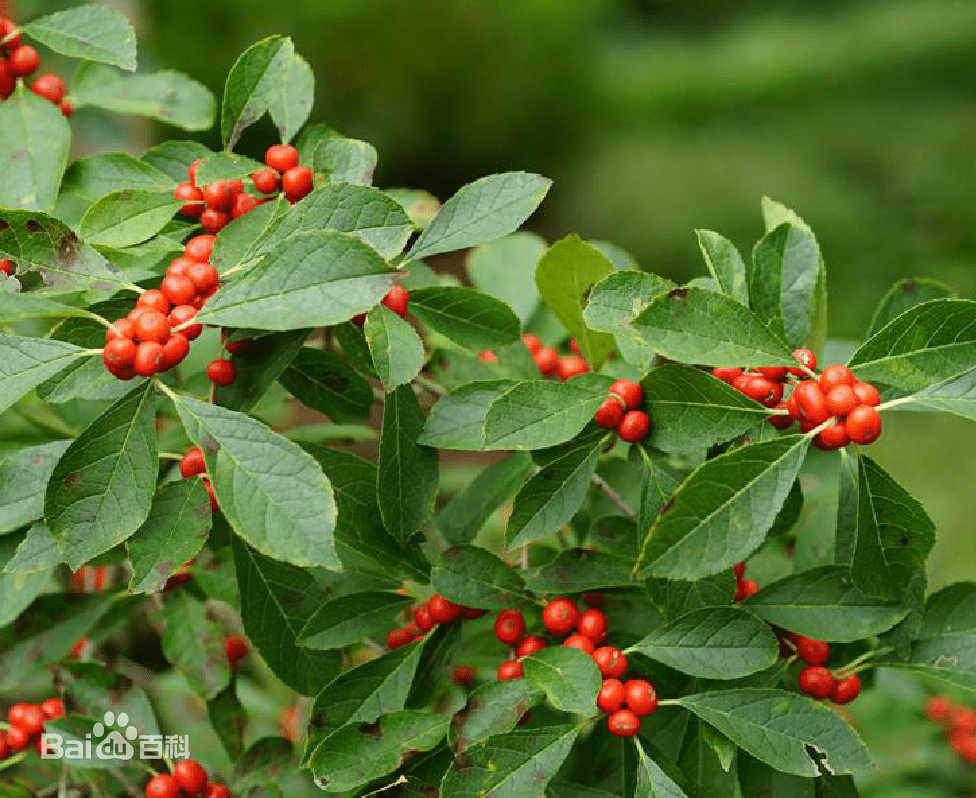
pixel 90 32
pixel 348 619
pixel 23 478
pixel 956 395
pixel 564 276
pixel 225 166
pixel 260 364
pixel 277 600
pixel 89 179
pixel 273 493
pixel 34 141
pixel 322 381
pixel 340 159
pixel 492 708
pixel 654 778
pixel 894 533
pixel 904 295
pixel 228 719
pixel 100 492
pixel 693 410
pixel 26 362
pixel 824 604
pixel 788 732
pixel 725 264
pixel 480 212
pixel 314 279
pixel 569 678
pixel 924 345
pixel 167 96
pixel 127 217
pixel 692 325
pixel 474 577
pixel 721 513
pixel 195 644
pixel 174 157
pixel 467 317
pixel 457 421
pixel 38 551
pixel 174 533
pixel 396 349
pixel 407 471
pixel 506 269
pixel 514 763
pixel 253 85
pixel 713 643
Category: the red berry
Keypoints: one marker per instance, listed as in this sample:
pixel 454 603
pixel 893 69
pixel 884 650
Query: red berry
pixel 867 394
pixel 442 610
pixel 6 267
pixel 631 392
pixel 236 648
pixel 610 661
pixel 297 183
pixel 487 356
pixel 816 682
pixel 216 790
pixel 634 426
pixel 463 675
pixel 9 33
pixel 17 739
pixel 611 696
pixel 120 328
pixel 219 195
pixel 805 358
pixel 397 300
pixel 178 290
pixel 510 627
pixel 199 248
pixel 4 748
pixel 52 708
pixel 764 391
pixel 841 400
pixel 593 599
pixel 582 642
pixel 529 645
pixel 33 720
pixel 180 315
pixel 244 203
pixel 7 85
pixel 23 61
pixel 812 652
pixel 640 697
pixel 119 352
pixel 192 464
pixel 221 372
pixel 213 221
pixel 864 425
pixel 191 170
pixel 547 360
pixel 745 588
pixel 964 719
pixel 846 689
pixel 423 618
pixel 571 365
pixel 281 157
pixel 162 786
pixel 741 382
pixel 149 358
pixel 398 638
pixel 739 570
pixel 152 326
pixel 265 181
pixel 50 87
pixel 593 624
pixel 560 617
pixel 203 276
pixel 15 715
pixel 510 669
pixel 775 373
pixel 623 723
pixel 782 420
pixel 833 437
pixel 179 267
pixel 154 300
pixel 235 347
pixel 726 374
pixel 470 613
pixel 191 777
pixel 938 708
pixel 65 107
pixel 532 342
pixel 811 402
pixel 835 375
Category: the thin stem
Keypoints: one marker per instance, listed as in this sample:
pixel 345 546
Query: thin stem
pixel 10 36
pixel 429 385
pixel 616 498
pixel 862 662
pixel 134 287
pixel 103 321
pixel 817 430
pixel 904 400
pixel 165 389
pixel 55 427
pixel 170 456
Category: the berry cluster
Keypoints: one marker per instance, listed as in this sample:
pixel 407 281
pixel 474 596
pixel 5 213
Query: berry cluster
pixel 817 681
pixel 188 778
pixel 836 394
pixel 619 412
pixel 431 613
pixel 548 360
pixel 217 203
pixel 192 465
pixel 959 724
pixel 21 62
pixel 625 702
pixel 27 725
pixel 744 587
pixel 397 299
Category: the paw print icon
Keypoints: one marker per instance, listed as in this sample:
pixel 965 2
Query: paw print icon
pixel 116 733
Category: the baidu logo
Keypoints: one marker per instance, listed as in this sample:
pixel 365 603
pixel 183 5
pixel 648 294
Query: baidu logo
pixel 114 738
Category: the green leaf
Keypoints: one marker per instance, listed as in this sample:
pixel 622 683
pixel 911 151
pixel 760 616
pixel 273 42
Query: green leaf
pixel 195 644
pixel 481 211
pixel 823 603
pixel 315 279
pixel 323 382
pixel 721 513
pixel 277 601
pixel 397 351
pixel 464 516
pixel 474 577
pixel 350 757
pixel 94 690
pixel 924 345
pixel 564 276
pixel 678 598
pixel 514 763
pixel 906 294
pixel 555 494
pixel 619 298
pixel 225 166
pixel 292 104
pixel 465 316
pixel 692 325
pixel 894 533
pixel 273 493
pixel 537 414
pixel 15 306
pixel 340 159
pixel 229 720
pixel 127 217
pixel 579 571
pixel 783 278
pixel 174 533
pixel 26 362
pixel 100 492
pixel 167 96
pixel 713 643
pixel 954 395
pixel 757 778
pixel 90 179
pixel 23 478
pixel 264 764
pixel 90 32
pixel 34 141
pixel 506 269
pixel 38 551
pixel 653 780
pixel 788 732
pixel 407 471
pixel 492 708
pixel 348 619
pixel 174 158
pixel 255 83
pixel 693 410
pixel 725 264
pixel 19 588
pixel 264 360
pixel 569 678
pixel 457 421
pixel 241 245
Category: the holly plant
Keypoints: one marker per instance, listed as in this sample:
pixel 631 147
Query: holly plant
pixel 276 478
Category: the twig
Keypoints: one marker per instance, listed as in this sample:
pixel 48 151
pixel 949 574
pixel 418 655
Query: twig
pixel 904 400
pixel 429 385
pixel 616 498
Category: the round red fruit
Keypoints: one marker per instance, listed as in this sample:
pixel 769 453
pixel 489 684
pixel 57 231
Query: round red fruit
pixel 864 425
pixel 739 570
pixel 281 157
pixel 178 290
pixel 244 203
pixel 397 300
pixel 811 402
pixel 423 618
pixel 199 248
pixel 442 610
pixel 50 87
pixel 221 372
pixel 745 588
pixel 33 719
pixel 630 391
pixel 835 375
pixel 547 360
pixel 775 373
pixel 816 682
pixel 213 221
pixel 219 195
pixel 841 400
pixel 812 652
pixel 182 314
pixel 176 348
pixel 192 464
pixel 611 696
pixel 833 437
pixel 867 394
pixel 487 356
pixel 154 300
pixel 623 723
pixel 532 342
pixel 17 739
pixel 6 267
pixel 398 638
pixel 297 183
pixel 236 648
pixel 23 61
pixel 529 646
pixel 805 358
pixel 238 346
pixel 938 708
pixel 190 775
pixel 149 358
pixel 634 426
pixel 216 790
pixel 582 642
pixel 726 374
pixel 593 599
pixel 119 352
pixel 9 32
pixel 560 617
pixel 191 170
pixel 610 661
pixel 203 276
pixel 593 624
pixel 52 708
pixel 120 328
pixel 510 669
pixel 640 697
pixel 162 786
pixel 470 613
pixel 571 365
pixel 510 627
pixel 152 326
pixel 846 689
pixel 763 390
pixel 265 181
pixel 179 267
pixel 463 675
